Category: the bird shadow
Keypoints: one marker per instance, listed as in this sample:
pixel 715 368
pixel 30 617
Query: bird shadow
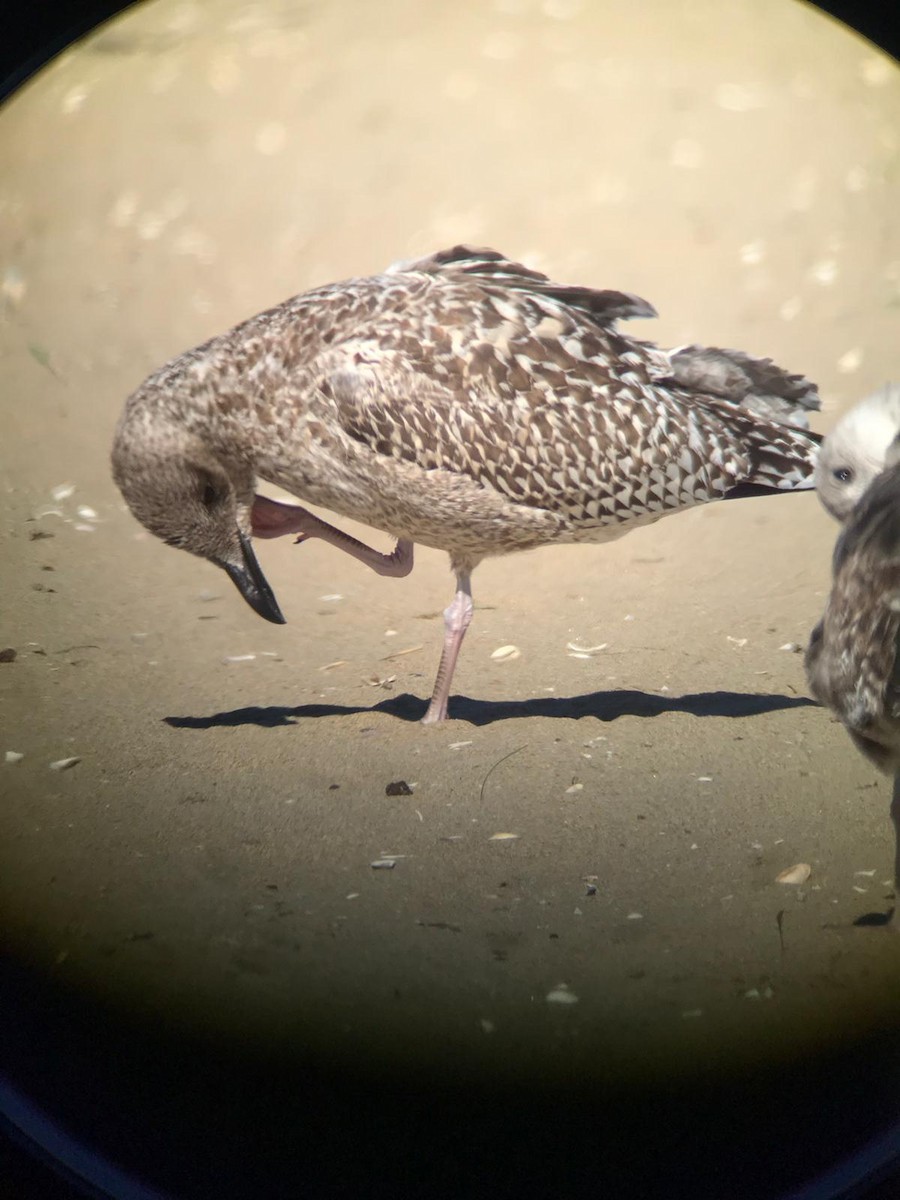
pixel 603 706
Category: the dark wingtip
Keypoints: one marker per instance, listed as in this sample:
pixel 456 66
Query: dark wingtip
pixel 748 491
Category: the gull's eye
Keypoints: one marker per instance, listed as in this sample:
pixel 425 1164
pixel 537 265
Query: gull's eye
pixel 843 474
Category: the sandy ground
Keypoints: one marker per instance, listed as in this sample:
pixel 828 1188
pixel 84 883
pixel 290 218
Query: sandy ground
pixel 209 855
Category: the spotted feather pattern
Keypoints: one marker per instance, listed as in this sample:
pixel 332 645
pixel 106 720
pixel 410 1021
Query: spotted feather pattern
pixel 470 403
pixel 554 411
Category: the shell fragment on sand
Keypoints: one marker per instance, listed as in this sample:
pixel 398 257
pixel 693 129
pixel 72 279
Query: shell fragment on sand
pixel 797 874
pixel 576 651
pixel 387 682
pixel 63 764
pixel 561 995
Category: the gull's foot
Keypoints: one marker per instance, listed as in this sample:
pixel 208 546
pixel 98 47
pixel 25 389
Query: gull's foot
pixel 271 518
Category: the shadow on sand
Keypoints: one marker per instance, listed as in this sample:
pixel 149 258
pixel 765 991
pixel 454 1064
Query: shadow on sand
pixel 603 706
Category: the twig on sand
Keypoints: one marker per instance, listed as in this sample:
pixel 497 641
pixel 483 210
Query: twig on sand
pixel 496 765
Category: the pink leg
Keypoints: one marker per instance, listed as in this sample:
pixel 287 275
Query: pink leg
pixel 270 519
pixel 457 618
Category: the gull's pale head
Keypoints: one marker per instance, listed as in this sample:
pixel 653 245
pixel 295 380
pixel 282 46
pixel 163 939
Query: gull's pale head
pixel 856 450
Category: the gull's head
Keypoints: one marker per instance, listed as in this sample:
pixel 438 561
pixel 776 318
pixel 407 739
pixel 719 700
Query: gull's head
pixel 192 497
pixel 856 450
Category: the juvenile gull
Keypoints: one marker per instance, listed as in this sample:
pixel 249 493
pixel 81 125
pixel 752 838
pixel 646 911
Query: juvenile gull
pixel 853 659
pixel 854 452
pixel 462 401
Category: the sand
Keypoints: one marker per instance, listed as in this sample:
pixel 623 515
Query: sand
pixel 207 860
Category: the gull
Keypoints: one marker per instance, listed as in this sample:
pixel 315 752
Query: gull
pixel 853 658
pixel 460 401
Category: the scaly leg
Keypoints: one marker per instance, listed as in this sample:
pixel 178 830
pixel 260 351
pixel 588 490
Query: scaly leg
pixel 270 519
pixel 457 618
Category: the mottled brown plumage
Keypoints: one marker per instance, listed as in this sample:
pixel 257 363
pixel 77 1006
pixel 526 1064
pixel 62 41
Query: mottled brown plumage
pixel 461 401
pixel 853 657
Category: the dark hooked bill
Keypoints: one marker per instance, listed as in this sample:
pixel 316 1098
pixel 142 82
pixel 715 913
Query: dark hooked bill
pixel 252 584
